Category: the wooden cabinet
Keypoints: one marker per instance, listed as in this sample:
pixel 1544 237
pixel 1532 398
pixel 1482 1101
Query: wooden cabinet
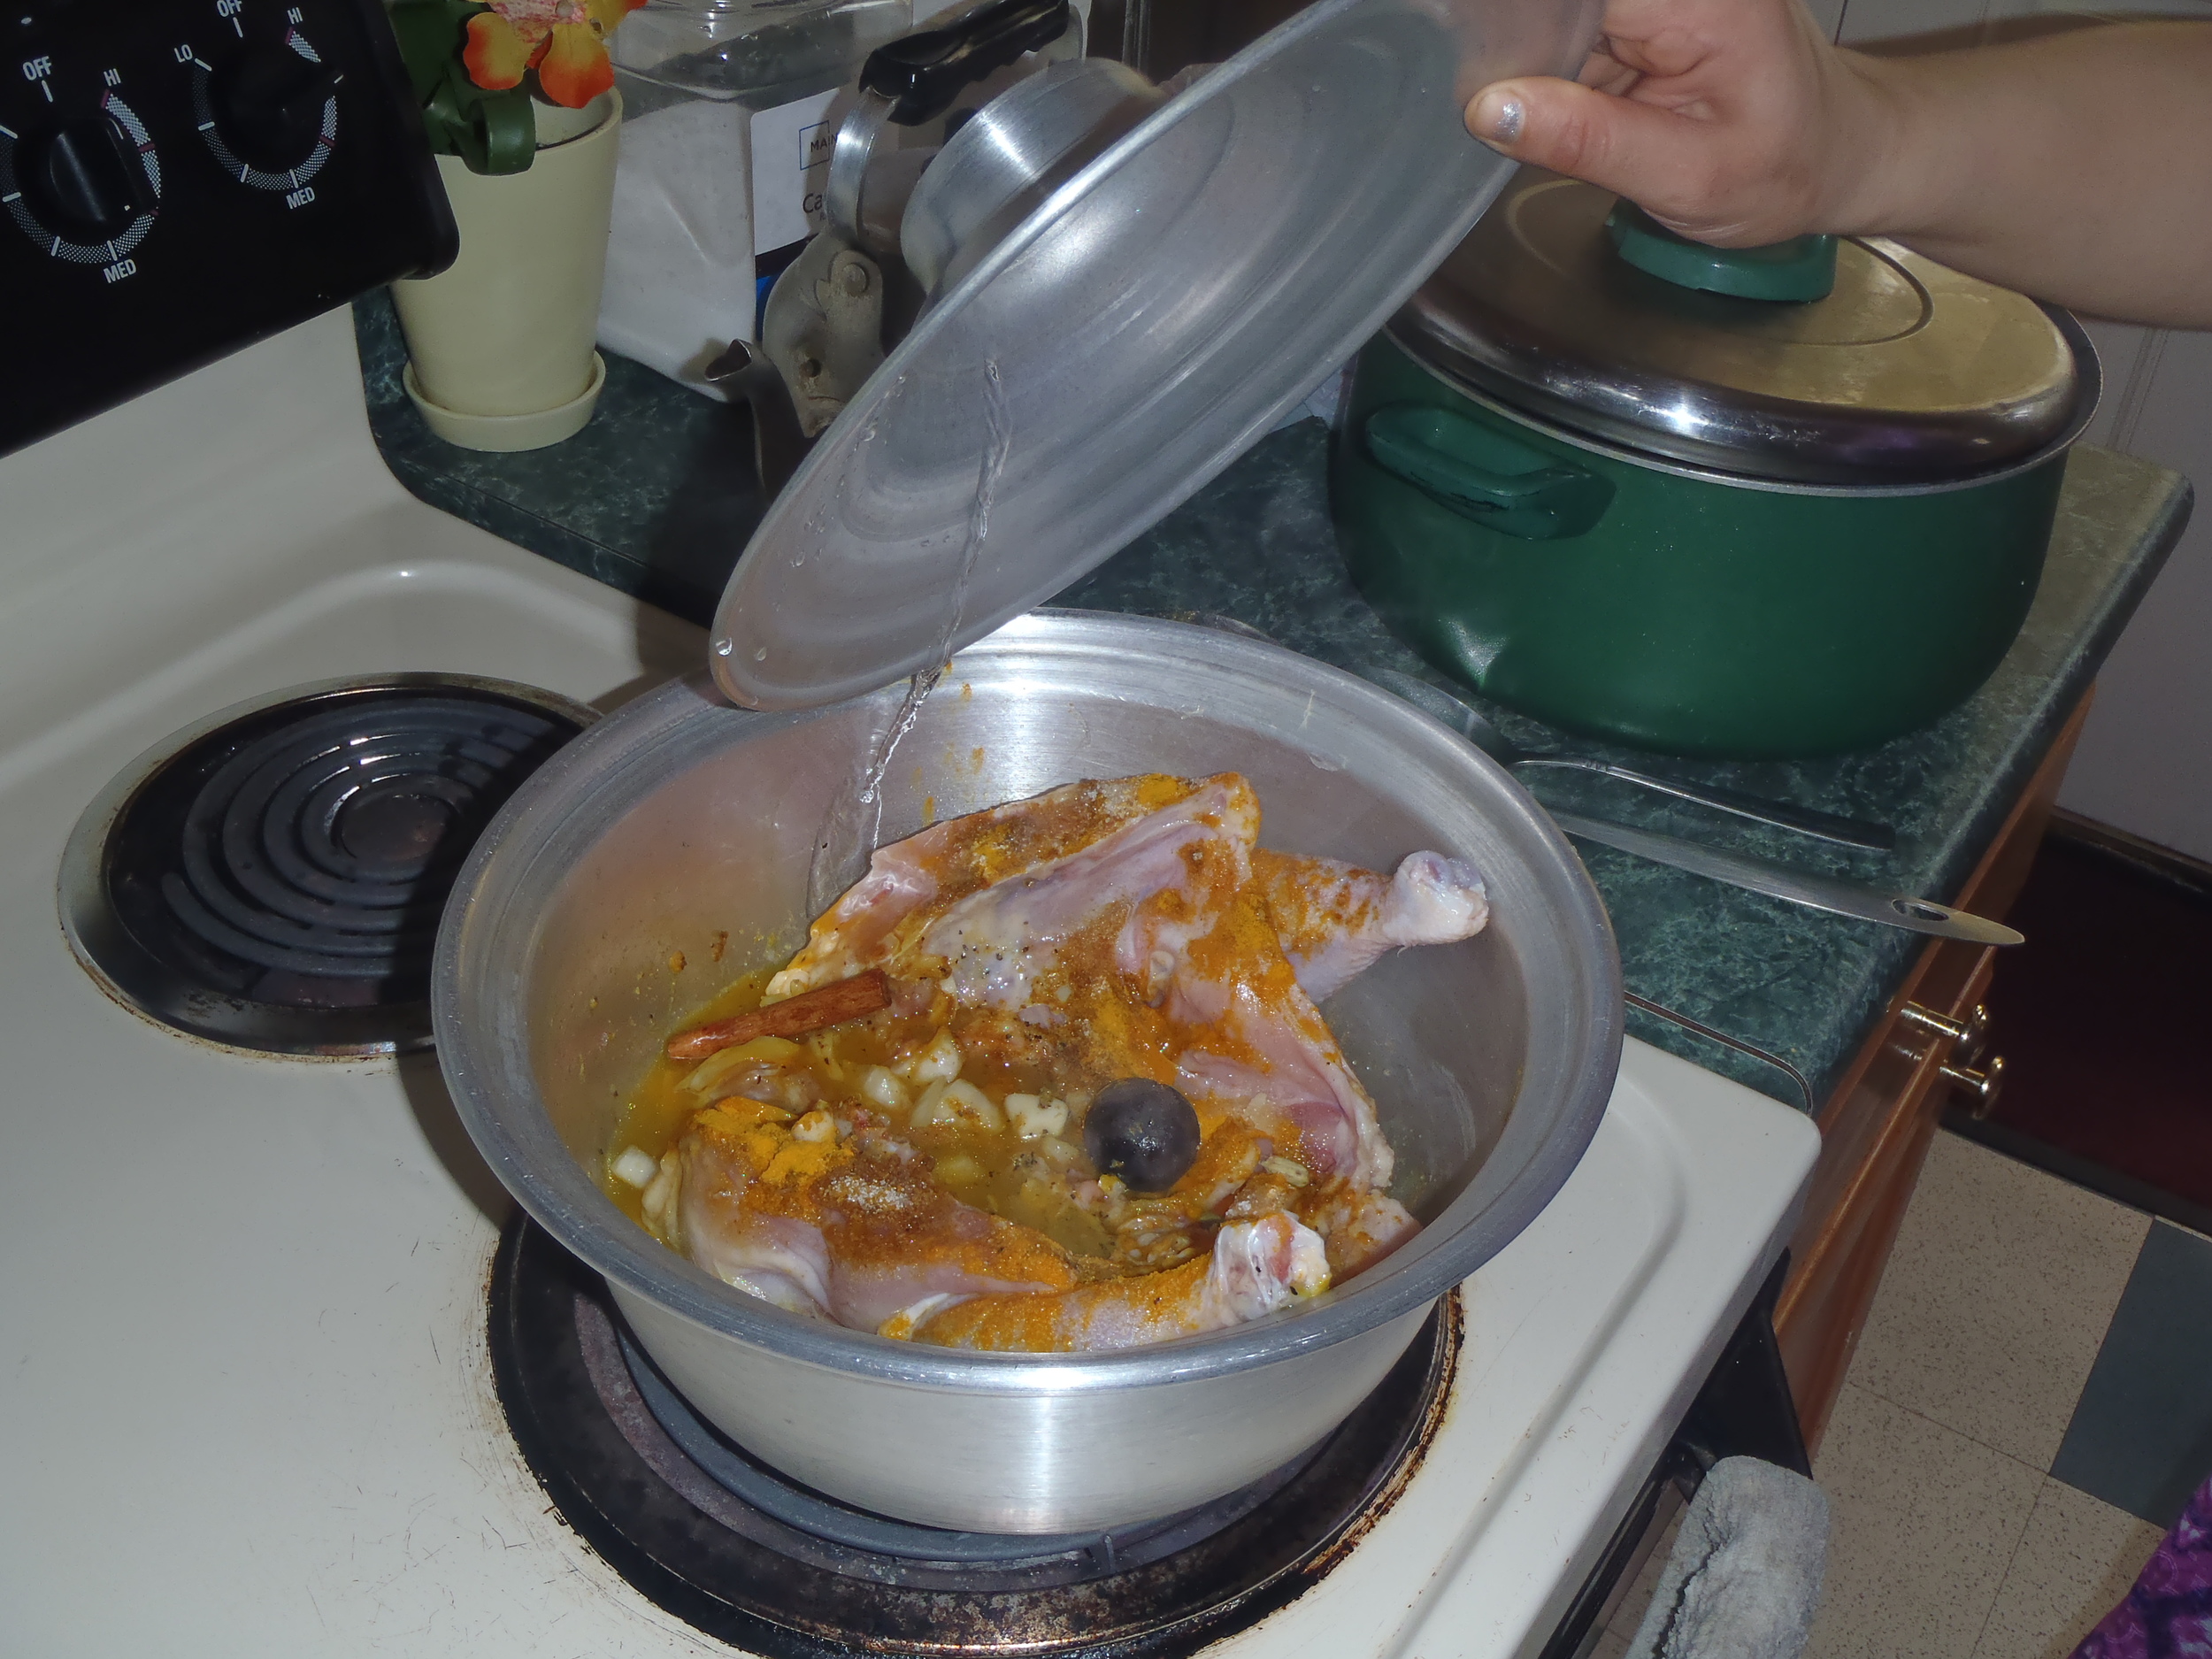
pixel 1876 1128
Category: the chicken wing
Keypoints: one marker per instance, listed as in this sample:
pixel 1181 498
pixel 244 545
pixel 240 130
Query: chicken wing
pixel 1336 920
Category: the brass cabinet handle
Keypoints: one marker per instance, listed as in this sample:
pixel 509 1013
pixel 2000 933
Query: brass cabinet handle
pixel 1969 1036
pixel 1980 1085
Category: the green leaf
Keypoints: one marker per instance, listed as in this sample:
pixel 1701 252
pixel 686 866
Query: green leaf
pixel 491 132
pixel 501 131
pixel 431 35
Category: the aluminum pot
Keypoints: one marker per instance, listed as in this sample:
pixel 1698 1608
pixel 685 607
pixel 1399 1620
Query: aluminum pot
pixel 682 828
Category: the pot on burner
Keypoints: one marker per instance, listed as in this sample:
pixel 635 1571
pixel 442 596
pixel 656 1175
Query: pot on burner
pixel 681 827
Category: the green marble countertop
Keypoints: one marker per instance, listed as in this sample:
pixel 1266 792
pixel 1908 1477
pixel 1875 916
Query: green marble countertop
pixel 657 497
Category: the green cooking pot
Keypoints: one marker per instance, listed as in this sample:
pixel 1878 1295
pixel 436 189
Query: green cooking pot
pixel 1538 506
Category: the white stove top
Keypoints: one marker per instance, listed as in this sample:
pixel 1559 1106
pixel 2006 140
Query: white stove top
pixel 245 1403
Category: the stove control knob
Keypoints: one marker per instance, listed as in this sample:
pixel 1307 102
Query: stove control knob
pixel 83 179
pixel 268 104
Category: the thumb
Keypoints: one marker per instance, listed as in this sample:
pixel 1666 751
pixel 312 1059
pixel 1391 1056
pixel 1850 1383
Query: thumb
pixel 1633 150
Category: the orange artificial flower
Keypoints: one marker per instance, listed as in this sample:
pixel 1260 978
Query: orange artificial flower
pixel 564 40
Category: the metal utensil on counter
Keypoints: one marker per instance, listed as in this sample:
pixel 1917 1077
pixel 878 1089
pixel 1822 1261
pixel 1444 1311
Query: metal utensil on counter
pixel 1820 893
pixel 1471 725
pixel 1799 886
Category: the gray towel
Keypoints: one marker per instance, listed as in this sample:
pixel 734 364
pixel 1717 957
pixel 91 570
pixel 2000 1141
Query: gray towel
pixel 1744 1579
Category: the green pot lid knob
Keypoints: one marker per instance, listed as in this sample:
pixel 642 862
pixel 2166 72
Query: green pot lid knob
pixel 1802 268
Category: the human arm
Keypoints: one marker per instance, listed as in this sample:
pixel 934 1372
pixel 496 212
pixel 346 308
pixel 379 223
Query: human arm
pixel 2077 167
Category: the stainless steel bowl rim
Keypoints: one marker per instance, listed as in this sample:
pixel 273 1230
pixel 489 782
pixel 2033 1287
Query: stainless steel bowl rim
pixel 569 1205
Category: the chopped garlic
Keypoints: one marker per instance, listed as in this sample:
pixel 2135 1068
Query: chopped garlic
pixel 636 1166
pixel 940 1062
pixel 942 1102
pixel 931 1109
pixel 1289 1168
pixel 659 1206
pixel 971 1103
pixel 1033 1117
pixel 817 1125
pixel 879 1086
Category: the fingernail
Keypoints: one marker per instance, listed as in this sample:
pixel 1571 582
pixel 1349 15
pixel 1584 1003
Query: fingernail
pixel 1498 117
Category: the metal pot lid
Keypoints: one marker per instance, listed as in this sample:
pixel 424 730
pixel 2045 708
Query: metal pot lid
pixel 1905 371
pixel 1134 335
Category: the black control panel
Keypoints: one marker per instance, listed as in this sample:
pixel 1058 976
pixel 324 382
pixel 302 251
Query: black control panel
pixel 179 178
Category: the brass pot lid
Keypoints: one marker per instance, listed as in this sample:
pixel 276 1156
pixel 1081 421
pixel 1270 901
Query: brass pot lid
pixel 1906 372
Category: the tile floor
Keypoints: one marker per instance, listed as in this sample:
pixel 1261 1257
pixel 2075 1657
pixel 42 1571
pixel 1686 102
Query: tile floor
pixel 2030 1403
pixel 2142 1436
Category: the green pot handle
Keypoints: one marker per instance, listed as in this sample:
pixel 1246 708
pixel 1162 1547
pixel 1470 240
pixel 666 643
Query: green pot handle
pixel 1483 475
pixel 1802 268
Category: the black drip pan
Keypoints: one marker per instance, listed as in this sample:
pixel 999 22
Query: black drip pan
pixel 716 1537
pixel 271 878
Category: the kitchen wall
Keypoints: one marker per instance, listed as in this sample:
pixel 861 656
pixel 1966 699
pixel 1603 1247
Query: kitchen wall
pixel 2145 764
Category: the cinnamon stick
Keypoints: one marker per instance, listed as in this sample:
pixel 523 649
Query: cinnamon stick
pixel 856 998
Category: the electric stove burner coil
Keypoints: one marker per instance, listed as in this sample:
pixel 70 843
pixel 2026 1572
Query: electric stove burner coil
pixel 712 1535
pixel 272 878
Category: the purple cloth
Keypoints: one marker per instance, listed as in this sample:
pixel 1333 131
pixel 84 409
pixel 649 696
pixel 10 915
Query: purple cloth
pixel 2167 1615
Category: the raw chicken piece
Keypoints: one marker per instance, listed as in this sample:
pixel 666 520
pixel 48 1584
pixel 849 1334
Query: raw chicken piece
pixel 849 1228
pixel 1336 921
pixel 1256 1047
pixel 1105 930
pixel 1361 1228
pixel 1255 1267
pixel 1171 870
pixel 1140 946
pixel 921 877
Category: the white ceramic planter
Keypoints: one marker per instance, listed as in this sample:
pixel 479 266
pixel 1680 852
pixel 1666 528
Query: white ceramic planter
pixel 500 346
